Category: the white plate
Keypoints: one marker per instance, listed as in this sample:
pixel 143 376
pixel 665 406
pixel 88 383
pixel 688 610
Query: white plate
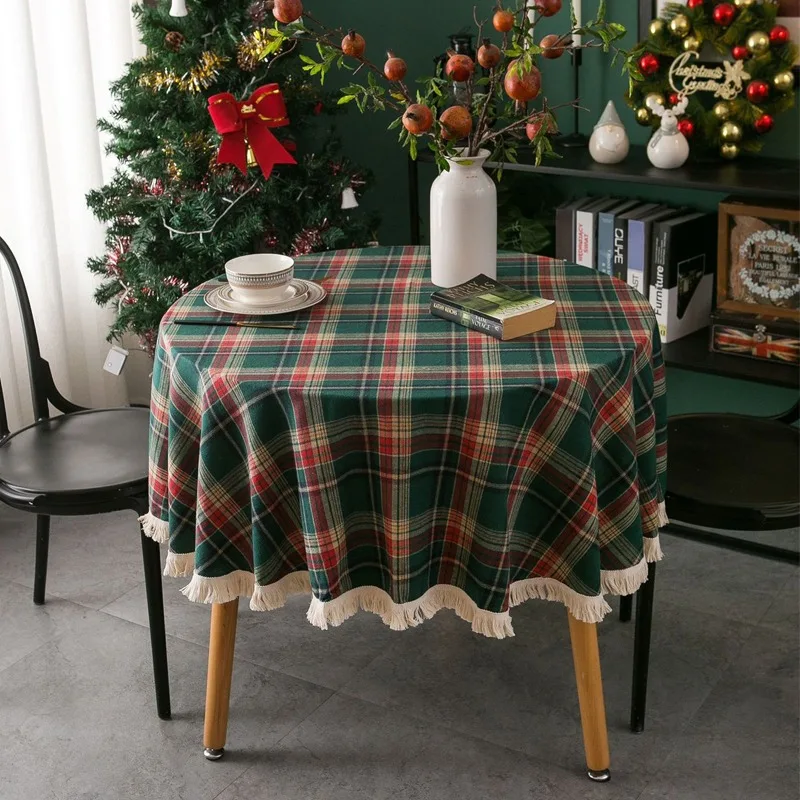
pixel 307 294
pixel 292 291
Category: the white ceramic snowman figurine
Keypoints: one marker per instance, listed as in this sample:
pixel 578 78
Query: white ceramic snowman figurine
pixel 668 147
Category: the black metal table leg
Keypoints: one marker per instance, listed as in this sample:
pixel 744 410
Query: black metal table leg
pixel 413 200
pixel 625 608
pixel 641 648
pixel 151 557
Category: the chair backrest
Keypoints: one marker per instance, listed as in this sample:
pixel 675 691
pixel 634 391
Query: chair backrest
pixel 43 389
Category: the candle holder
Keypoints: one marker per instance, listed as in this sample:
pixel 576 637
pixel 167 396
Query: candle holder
pixel 576 138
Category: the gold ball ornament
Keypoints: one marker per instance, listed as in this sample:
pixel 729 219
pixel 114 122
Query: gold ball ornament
pixel 654 97
pixel 729 150
pixel 680 25
pixel 691 42
pixel 743 3
pixel 657 27
pixel 731 132
pixel 643 115
pixel 721 111
pixel 783 81
pixel 758 43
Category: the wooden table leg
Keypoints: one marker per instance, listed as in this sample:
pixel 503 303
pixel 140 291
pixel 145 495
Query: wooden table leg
pixel 220 673
pixel 586 655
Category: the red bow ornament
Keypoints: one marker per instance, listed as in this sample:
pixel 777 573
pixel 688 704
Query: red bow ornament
pixel 249 122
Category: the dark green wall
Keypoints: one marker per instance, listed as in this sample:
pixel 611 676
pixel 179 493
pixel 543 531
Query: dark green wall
pixel 417 31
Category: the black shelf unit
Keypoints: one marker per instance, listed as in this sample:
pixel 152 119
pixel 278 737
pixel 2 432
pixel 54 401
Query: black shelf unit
pixel 767 178
pixel 692 353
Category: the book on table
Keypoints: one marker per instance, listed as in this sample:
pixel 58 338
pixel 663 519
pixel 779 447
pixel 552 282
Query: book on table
pixel 494 308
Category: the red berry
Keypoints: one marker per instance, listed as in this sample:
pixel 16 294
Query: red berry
pixel 553 46
pixel 395 68
pixel 418 118
pixel 456 122
pixel 503 21
pixel 686 127
pixel 353 45
pixel 522 86
pixel 779 35
pixel 740 52
pixel 547 8
pixel 674 99
pixel 459 68
pixel 723 14
pixel 764 124
pixel 287 10
pixel 649 64
pixel 757 91
pixel 489 55
pixel 695 3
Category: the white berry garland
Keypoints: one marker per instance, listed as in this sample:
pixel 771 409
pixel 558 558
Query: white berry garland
pixel 764 237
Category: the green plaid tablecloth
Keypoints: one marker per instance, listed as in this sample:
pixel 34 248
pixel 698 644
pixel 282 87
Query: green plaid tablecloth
pixel 384 459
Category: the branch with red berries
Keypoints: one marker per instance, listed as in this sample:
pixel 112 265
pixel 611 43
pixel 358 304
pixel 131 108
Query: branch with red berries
pixel 467 106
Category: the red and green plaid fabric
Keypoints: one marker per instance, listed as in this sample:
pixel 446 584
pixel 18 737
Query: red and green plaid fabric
pixel 377 445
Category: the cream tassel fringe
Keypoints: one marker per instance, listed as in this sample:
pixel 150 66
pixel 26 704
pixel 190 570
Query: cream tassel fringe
pixel 219 590
pixel 585 608
pixel 268 598
pixel 155 528
pixel 623 581
pixel 663 519
pixel 652 549
pixel 401 616
pixel 179 565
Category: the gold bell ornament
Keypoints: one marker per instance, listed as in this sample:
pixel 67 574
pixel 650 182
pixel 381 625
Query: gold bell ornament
pixel 758 43
pixel 721 110
pixel 680 25
pixel 783 81
pixel 729 150
pixel 251 157
pixel 731 132
pixel 691 42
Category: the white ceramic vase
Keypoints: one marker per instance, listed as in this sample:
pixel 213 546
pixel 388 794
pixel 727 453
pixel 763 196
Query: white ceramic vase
pixel 463 222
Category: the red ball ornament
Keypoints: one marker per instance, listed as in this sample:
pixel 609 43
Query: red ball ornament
pixel 686 127
pixel 674 99
pixel 757 91
pixel 779 35
pixel 764 124
pixel 740 52
pixel 649 64
pixel 723 14
pixel 695 3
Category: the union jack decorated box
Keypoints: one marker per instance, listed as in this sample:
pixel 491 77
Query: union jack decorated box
pixel 767 338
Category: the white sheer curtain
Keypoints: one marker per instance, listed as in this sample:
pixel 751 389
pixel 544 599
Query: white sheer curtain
pixel 58 58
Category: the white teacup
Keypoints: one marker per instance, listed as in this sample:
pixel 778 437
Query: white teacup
pixel 259 278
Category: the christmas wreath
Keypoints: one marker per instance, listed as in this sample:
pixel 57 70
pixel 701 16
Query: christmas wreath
pixel 733 102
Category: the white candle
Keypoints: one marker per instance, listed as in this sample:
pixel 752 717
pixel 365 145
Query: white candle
pixel 576 10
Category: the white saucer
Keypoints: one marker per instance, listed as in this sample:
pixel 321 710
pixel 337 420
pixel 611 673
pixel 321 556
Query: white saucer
pixel 306 294
pixel 293 290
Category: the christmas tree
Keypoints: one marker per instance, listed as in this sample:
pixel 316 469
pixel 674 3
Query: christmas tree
pixel 174 214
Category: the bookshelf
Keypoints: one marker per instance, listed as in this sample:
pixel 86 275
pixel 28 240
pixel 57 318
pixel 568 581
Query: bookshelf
pixel 767 178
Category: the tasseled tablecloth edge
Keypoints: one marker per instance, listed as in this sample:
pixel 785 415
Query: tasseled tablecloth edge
pixel 401 616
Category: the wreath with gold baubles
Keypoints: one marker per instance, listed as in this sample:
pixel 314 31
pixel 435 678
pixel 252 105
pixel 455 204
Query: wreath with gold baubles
pixel 732 102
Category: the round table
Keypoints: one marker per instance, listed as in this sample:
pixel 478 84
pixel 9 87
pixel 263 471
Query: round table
pixel 384 459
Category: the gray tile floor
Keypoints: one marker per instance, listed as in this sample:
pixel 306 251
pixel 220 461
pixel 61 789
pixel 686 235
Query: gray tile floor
pixel 362 713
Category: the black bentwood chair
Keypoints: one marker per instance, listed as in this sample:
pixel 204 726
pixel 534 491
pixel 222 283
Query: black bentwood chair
pixel 81 462
pixel 726 471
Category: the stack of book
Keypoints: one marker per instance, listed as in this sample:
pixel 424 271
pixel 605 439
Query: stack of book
pixel 667 254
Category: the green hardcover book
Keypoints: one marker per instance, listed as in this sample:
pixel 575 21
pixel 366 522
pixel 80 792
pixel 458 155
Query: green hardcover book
pixel 485 305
